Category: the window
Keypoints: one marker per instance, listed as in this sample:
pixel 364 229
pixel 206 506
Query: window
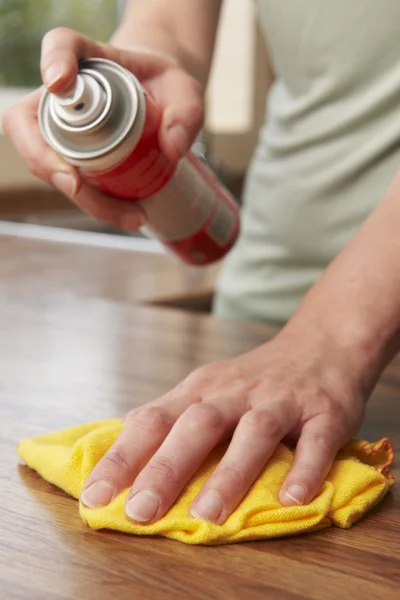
pixel 22 26
pixel 24 22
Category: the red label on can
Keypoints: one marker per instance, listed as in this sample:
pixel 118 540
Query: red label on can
pixel 193 214
pixel 146 170
pixel 186 206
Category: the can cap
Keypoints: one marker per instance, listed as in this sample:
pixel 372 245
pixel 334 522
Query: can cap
pixel 102 115
pixel 82 104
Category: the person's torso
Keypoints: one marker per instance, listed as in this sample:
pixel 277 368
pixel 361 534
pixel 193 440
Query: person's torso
pixel 329 148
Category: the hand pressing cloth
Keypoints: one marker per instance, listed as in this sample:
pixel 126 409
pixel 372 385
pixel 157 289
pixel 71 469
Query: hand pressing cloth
pixel 357 481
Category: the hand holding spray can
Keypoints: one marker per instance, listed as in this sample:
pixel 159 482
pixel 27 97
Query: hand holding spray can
pixel 108 127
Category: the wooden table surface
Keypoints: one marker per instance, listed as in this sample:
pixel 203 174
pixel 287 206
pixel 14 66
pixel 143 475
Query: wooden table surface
pixel 38 261
pixel 69 358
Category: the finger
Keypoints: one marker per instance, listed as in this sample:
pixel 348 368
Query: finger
pixel 21 126
pixel 255 440
pixel 316 449
pixel 62 49
pixel 146 427
pixel 124 214
pixel 182 100
pixel 116 471
pixel 192 438
pixel 181 96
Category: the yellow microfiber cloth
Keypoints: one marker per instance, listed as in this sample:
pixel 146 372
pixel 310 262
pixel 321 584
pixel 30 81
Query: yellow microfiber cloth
pixel 357 481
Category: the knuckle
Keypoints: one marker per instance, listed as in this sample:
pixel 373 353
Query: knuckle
pixel 288 397
pixel 87 198
pixel 153 418
pixel 240 379
pixel 261 424
pixel 335 410
pixel 131 415
pixel 95 210
pixel 116 457
pixel 234 476
pixel 328 405
pixel 235 371
pixel 322 441
pixel 335 414
pixel 203 416
pixel 197 379
pixel 163 468
pixel 11 118
pixel 34 166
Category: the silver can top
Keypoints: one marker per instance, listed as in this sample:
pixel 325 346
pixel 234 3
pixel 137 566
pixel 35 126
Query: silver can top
pixel 84 103
pixel 95 117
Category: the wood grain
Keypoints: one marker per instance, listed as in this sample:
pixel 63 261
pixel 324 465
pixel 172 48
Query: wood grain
pixel 38 268
pixel 71 357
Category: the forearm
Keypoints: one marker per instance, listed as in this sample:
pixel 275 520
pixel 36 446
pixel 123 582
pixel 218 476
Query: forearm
pixel 183 29
pixel 357 300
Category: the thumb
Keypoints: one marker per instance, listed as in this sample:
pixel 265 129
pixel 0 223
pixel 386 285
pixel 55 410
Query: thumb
pixel 182 100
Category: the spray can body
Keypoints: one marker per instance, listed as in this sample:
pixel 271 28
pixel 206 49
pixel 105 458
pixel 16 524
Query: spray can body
pixel 108 126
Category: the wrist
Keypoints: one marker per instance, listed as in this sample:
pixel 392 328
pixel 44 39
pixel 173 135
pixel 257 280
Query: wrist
pixel 357 299
pixel 342 335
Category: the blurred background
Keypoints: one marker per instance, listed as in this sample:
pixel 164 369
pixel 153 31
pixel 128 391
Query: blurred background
pixel 24 22
pixel 235 99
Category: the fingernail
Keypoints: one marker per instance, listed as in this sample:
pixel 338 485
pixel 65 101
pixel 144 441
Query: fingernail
pixel 52 74
pixel 179 138
pixel 208 507
pixel 296 493
pixel 98 494
pixel 131 221
pixel 143 506
pixel 64 182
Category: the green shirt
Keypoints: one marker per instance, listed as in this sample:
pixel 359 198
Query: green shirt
pixel 326 154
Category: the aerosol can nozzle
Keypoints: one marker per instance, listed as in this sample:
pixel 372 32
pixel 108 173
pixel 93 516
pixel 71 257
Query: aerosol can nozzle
pixel 82 104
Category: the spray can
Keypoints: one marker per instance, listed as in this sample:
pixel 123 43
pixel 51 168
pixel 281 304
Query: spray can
pixel 108 127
